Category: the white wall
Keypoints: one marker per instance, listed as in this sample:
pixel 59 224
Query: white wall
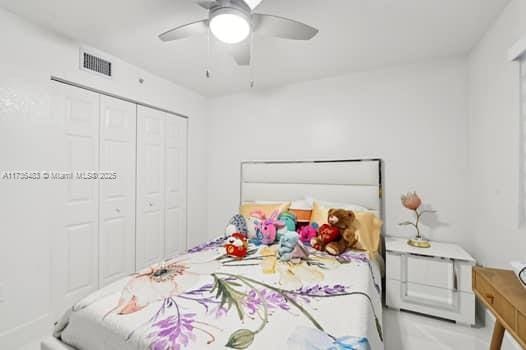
pixel 29 56
pixel 414 117
pixel 493 142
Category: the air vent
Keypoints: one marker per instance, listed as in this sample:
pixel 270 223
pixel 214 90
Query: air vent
pixel 95 64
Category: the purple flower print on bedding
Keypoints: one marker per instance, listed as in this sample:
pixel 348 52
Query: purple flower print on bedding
pixel 318 290
pixel 273 301
pixel 350 256
pixel 176 331
pixel 173 332
pixel 201 296
pixel 208 245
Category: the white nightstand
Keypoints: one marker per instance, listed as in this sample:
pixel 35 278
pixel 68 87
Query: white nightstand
pixel 434 281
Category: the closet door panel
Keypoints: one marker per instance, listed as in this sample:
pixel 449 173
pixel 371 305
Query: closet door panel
pixel 74 248
pixel 175 186
pixel 150 187
pixel 117 195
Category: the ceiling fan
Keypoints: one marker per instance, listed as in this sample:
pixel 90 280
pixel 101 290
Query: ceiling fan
pixel 232 21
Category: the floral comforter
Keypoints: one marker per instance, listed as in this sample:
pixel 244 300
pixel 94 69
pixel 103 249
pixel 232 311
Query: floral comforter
pixel 206 300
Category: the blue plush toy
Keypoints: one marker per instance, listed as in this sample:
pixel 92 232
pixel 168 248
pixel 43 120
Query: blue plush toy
pixel 287 244
pixel 289 219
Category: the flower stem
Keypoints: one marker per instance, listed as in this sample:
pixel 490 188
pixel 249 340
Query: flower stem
pixel 282 292
pixel 417 222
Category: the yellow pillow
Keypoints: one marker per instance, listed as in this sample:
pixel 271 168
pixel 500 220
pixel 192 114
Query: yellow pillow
pixel 368 232
pixel 319 214
pixel 247 208
pixel 368 227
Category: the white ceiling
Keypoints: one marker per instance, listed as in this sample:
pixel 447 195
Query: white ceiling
pixel 354 35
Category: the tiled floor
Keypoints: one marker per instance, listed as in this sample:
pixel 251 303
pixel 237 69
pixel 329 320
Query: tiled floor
pixel 407 331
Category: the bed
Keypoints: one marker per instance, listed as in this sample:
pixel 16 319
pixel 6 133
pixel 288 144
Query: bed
pixel 206 300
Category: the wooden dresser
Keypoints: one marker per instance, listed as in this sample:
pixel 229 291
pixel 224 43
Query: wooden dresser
pixel 505 297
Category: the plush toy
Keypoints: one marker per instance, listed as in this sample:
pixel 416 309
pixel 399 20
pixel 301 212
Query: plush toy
pixel 269 227
pixel 326 235
pixel 290 247
pixel 344 220
pixel 287 243
pixel 236 224
pixel 253 226
pixel 237 245
pixel 289 219
pixel 308 232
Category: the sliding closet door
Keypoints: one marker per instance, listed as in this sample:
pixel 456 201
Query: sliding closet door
pixel 175 188
pixel 117 195
pixel 75 246
pixel 150 186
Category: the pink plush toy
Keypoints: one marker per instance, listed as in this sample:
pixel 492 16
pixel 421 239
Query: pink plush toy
pixel 307 233
pixel 269 227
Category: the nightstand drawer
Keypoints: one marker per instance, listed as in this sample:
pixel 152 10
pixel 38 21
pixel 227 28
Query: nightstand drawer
pixel 433 272
pixel 495 300
pixel 445 303
pixel 423 294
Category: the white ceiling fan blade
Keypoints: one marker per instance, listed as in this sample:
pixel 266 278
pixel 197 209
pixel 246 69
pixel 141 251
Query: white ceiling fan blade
pixel 282 27
pixel 253 3
pixel 241 52
pixel 185 31
pixel 206 4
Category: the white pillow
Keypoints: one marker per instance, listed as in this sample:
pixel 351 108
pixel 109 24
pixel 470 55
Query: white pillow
pixel 300 204
pixel 339 205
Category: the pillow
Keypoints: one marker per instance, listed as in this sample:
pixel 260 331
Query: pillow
pixel 267 208
pixel 320 210
pixel 301 208
pixel 247 208
pixel 341 205
pixel 368 230
pixel 301 204
pixel 302 215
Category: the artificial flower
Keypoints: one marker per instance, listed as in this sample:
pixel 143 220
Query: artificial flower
pixel 411 201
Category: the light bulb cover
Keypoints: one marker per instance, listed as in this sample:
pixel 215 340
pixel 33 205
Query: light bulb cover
pixel 230 25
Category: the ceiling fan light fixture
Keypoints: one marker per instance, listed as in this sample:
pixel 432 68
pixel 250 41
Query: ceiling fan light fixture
pixel 229 25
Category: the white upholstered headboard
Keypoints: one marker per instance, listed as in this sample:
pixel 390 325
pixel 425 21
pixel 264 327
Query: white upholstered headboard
pixel 345 181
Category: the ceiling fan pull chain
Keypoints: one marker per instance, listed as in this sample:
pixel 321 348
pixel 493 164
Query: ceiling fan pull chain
pixel 207 71
pixel 251 67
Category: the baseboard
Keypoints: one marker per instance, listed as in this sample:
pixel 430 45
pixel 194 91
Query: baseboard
pixel 509 342
pixel 26 332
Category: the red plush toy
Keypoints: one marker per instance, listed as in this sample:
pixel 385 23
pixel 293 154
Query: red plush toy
pixel 237 245
pixel 326 235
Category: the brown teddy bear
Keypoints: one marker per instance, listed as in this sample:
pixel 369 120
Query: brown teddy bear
pixel 344 220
